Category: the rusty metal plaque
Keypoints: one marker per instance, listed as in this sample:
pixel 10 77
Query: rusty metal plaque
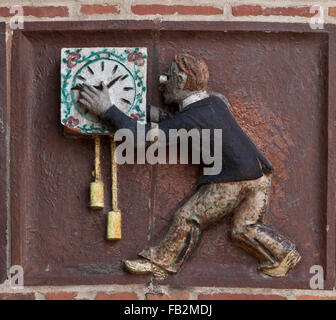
pixel 279 79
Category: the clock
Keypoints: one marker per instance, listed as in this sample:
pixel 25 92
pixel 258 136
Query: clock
pixel 122 70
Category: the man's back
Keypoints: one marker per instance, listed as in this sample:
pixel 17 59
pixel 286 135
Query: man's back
pixel 240 156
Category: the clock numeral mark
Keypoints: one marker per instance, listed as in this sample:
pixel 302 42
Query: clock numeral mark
pixel 78 86
pixel 91 71
pixel 128 88
pixel 81 78
pixel 102 66
pixel 124 77
pixel 125 100
pixel 115 69
pixel 113 81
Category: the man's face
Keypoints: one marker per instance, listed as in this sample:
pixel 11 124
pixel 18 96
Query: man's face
pixel 173 85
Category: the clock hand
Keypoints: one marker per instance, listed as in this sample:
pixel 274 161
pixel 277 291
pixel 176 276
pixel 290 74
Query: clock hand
pixel 113 81
pixel 78 86
pixel 100 87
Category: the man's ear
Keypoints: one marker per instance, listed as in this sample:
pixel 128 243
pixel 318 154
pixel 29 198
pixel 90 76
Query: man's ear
pixel 182 79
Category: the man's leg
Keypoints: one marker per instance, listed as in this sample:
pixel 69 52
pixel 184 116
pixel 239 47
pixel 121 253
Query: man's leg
pixel 276 253
pixel 208 205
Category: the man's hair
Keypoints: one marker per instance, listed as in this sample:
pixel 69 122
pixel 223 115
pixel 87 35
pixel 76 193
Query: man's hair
pixel 196 70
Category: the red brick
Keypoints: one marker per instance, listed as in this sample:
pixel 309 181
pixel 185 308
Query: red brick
pixel 46 11
pixel 315 298
pixel 332 11
pixel 99 9
pixel 256 10
pixel 229 296
pixel 17 296
pixel 247 10
pixel 116 296
pixel 60 295
pixel 172 296
pixel 4 12
pixel 179 9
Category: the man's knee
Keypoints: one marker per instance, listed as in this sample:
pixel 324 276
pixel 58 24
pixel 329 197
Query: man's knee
pixel 238 231
pixel 185 219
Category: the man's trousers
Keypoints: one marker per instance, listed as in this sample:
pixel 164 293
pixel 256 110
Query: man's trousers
pixel 247 200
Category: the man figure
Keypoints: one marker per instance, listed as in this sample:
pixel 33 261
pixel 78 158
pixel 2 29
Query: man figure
pixel 242 187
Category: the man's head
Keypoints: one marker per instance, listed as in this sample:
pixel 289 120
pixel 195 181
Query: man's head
pixel 187 74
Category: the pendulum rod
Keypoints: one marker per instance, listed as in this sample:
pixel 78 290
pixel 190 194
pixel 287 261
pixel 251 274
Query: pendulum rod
pixel 114 216
pixel 97 187
pixel 97 158
pixel 114 177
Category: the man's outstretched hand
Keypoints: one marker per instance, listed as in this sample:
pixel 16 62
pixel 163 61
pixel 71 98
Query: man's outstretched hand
pixel 95 100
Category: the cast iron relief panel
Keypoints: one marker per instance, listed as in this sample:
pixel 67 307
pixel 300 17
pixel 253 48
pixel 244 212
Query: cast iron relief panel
pixel 123 70
pixel 3 155
pixel 270 79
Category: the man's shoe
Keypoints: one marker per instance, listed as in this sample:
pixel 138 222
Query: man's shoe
pixel 289 262
pixel 143 266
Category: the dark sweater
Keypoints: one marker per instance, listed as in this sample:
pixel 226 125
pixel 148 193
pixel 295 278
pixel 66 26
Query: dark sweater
pixel 240 156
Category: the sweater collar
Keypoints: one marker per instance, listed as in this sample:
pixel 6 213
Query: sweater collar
pixel 195 97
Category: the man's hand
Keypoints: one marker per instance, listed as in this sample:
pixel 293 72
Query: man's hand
pixel 97 101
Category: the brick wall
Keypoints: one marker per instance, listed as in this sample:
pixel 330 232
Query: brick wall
pixel 248 10
pixel 220 10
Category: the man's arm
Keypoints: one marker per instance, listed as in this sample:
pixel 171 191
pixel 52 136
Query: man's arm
pixel 99 102
pixel 115 119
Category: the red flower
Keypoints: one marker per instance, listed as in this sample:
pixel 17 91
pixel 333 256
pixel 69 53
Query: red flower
pixel 136 58
pixel 131 57
pixel 72 122
pixel 139 62
pixel 135 116
pixel 72 59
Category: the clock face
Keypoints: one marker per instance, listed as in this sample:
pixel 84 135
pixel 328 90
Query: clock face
pixel 122 70
pixel 114 75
